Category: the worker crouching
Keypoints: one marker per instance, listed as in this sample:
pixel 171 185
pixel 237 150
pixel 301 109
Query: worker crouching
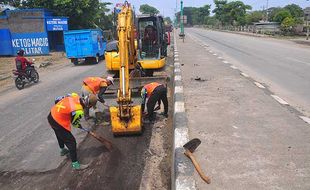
pixel 153 93
pixel 67 111
pixel 94 89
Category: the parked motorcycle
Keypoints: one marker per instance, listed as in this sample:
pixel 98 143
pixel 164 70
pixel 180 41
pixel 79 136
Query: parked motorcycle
pixel 25 77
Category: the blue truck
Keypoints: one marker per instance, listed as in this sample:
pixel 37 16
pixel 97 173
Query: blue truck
pixel 88 44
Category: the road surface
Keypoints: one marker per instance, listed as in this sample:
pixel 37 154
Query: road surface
pixel 29 150
pixel 27 142
pixel 282 65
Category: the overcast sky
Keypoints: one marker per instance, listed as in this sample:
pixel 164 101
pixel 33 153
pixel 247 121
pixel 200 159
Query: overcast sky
pixel 167 7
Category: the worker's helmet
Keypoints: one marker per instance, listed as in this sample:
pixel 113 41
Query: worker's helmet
pixel 74 94
pixel 111 79
pixel 20 52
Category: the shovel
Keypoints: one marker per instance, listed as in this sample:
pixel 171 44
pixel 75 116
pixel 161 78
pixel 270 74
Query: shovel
pixel 104 141
pixel 190 147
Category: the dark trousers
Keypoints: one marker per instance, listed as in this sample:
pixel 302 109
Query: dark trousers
pixel 64 137
pixel 159 94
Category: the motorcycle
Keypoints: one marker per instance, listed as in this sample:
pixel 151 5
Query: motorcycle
pixel 25 77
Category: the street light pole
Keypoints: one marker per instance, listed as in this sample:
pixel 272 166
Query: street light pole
pixel 182 20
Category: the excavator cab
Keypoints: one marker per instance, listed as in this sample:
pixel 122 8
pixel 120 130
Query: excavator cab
pixel 152 44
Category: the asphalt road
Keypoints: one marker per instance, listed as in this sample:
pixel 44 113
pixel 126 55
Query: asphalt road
pixel 281 65
pixel 27 142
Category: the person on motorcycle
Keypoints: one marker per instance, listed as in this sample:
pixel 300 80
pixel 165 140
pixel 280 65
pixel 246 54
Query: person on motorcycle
pixel 22 64
pixel 94 88
pixel 67 111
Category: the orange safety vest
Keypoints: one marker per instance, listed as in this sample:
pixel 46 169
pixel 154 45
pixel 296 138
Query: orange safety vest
pixel 94 84
pixel 61 112
pixel 150 88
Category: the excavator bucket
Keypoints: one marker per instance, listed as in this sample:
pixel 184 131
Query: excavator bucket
pixel 133 126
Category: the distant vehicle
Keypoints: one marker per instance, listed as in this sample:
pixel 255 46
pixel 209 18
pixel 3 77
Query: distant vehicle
pixel 88 44
pixel 27 77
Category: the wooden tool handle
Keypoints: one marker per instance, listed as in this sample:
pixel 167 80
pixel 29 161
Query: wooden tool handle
pixel 197 166
pixel 104 141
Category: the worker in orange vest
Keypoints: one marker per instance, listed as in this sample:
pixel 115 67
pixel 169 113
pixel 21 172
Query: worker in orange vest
pixel 94 89
pixel 67 111
pixel 154 92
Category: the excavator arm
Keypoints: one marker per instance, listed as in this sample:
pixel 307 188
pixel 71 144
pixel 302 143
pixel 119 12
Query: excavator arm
pixel 126 118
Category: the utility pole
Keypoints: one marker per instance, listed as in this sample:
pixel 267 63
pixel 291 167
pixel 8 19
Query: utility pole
pixel 307 30
pixel 267 10
pixel 182 20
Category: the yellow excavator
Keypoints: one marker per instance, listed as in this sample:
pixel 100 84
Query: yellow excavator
pixel 126 118
pixel 151 45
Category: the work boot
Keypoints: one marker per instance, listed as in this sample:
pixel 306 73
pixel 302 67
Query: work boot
pixel 64 152
pixel 77 166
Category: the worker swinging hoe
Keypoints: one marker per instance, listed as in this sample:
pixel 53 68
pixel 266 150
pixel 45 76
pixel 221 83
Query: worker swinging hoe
pixel 126 118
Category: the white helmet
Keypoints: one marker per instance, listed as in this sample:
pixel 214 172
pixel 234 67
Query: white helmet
pixel 109 78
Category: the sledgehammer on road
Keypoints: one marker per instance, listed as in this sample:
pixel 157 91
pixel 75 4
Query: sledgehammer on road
pixel 190 147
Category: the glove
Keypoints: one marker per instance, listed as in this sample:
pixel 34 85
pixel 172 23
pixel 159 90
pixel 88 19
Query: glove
pixel 101 100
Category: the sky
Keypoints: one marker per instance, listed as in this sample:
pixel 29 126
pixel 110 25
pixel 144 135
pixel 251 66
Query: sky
pixel 167 7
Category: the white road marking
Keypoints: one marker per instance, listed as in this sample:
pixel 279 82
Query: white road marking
pixel 211 51
pixel 233 67
pixel 280 100
pixel 245 75
pixel 225 62
pixel 220 57
pixel 179 107
pixel 176 55
pixel 306 119
pixel 181 136
pixel 178 89
pixel 259 85
pixel 236 135
pixel 214 54
pixel 235 127
pixel 177 78
pixel 177 64
pixel 176 59
pixel 177 70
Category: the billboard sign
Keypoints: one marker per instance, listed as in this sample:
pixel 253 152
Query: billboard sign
pixel 31 43
pixel 57 24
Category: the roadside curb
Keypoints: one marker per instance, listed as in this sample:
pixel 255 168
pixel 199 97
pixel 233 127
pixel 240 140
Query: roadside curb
pixel 182 170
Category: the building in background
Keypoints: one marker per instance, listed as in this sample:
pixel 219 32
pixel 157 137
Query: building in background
pixel 35 31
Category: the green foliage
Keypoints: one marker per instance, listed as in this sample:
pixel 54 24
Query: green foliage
pixel 232 13
pixel 287 24
pixel 147 9
pixel 195 16
pixel 254 16
pixel 81 13
pixel 295 10
pixel 281 15
pixel 272 11
pixel 213 21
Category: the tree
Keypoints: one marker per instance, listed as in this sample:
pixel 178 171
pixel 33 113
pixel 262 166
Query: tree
pixel 231 13
pixel 237 11
pixel 272 11
pixel 281 15
pixel 287 24
pixel 219 11
pixel 200 13
pixel 295 10
pixel 254 16
pixel 81 13
pixel 147 9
